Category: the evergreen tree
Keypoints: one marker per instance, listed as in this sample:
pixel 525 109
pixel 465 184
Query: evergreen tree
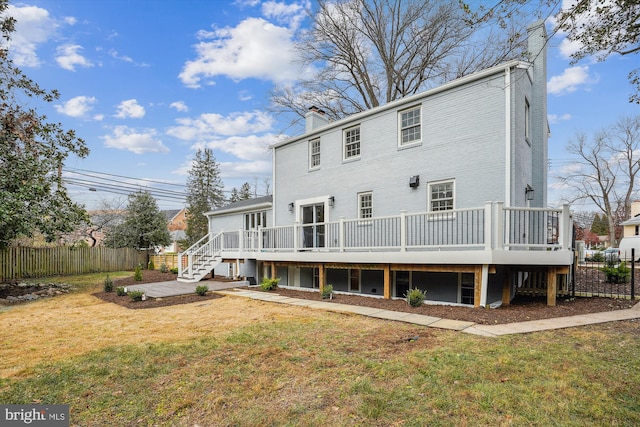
pixel 600 225
pixel 204 193
pixel 33 197
pixel 144 226
pixel 245 192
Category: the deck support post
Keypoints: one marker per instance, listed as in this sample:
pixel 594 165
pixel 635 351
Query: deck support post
pixel 480 285
pixel 506 287
pixel 321 277
pixel 387 281
pixel 274 270
pixel 552 278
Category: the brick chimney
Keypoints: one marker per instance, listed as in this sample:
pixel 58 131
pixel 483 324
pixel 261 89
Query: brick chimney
pixel 315 118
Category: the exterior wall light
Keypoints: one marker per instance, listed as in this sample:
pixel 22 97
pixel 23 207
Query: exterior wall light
pixel 332 201
pixel 528 193
pixel 291 206
pixel 414 181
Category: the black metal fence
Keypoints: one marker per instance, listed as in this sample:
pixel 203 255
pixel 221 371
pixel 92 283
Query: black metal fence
pixel 606 274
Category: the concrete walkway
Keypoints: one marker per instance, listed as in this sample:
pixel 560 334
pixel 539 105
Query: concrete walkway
pixel 165 289
pixel 173 288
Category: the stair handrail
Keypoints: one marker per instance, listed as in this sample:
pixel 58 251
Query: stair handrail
pixel 194 250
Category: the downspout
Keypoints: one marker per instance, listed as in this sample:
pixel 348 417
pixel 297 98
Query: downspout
pixel 507 133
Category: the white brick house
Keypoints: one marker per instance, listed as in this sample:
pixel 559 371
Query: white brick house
pixel 444 190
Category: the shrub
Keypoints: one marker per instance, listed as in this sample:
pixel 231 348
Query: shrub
pixel 164 268
pixel 201 290
pixel 415 297
pixel 327 292
pixel 137 275
pixel 174 270
pixel 136 295
pixel 269 284
pixel 597 257
pixel 108 284
pixel 120 291
pixel 151 265
pixel 615 275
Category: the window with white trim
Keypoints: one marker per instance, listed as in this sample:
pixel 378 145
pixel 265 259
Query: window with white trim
pixel 441 196
pixel 410 126
pixel 365 205
pixel 314 154
pixel 254 220
pixel 352 143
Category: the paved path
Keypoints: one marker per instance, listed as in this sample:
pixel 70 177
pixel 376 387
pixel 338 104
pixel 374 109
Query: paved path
pixel 165 289
pixel 173 288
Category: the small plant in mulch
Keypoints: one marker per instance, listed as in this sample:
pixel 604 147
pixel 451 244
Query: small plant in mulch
pixel 151 265
pixel 327 292
pixel 164 268
pixel 174 270
pixel 136 295
pixel 415 297
pixel 120 291
pixel 269 284
pixel 202 290
pixel 616 274
pixel 108 284
pixel 137 274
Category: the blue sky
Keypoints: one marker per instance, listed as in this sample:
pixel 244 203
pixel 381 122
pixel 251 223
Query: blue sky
pixel 148 82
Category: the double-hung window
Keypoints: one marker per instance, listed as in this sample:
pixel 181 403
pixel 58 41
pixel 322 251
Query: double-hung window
pixel 352 143
pixel 365 205
pixel 314 154
pixel 410 126
pixel 441 196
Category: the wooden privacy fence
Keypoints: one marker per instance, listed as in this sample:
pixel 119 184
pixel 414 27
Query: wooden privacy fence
pixel 23 262
pixel 170 260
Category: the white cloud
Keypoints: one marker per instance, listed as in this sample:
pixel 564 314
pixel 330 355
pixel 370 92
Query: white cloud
pixel 570 80
pixel 77 107
pixel 126 138
pixel 255 48
pixel 250 147
pixel 68 56
pixel 179 106
pixel 34 26
pixel 211 125
pixel 130 109
pixel 245 95
pixel 70 20
pixel 291 14
pixel 554 118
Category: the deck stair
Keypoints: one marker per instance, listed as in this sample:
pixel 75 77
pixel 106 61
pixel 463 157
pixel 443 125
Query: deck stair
pixel 199 260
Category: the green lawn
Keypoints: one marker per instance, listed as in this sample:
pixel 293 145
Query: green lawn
pixel 333 369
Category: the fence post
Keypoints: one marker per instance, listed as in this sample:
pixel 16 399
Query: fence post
pixel 633 273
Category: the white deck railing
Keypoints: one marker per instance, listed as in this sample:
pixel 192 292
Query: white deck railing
pixel 492 227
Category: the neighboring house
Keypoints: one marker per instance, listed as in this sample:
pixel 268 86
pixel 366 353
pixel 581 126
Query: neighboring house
pixel 445 190
pixel 177 226
pixel 631 227
pixel 631 233
pixel 176 219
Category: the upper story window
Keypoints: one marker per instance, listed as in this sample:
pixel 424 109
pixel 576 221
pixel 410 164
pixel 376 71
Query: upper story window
pixel 254 220
pixel 441 196
pixel 314 154
pixel 527 121
pixel 352 143
pixel 365 205
pixel 410 126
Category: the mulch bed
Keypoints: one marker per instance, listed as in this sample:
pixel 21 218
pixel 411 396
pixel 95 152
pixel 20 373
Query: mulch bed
pixel 521 308
pixel 151 276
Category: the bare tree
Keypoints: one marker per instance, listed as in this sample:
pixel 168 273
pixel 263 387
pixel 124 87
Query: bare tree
pixel 605 170
pixel 370 52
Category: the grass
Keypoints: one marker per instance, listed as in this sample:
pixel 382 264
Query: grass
pixel 239 362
